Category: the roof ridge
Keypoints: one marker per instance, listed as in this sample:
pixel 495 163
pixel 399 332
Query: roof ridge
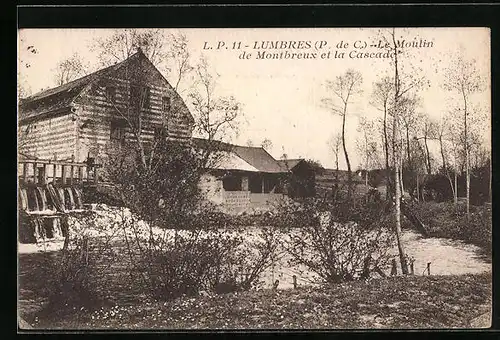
pixel 53 90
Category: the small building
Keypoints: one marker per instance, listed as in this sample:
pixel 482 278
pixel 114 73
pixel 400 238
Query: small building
pixel 243 178
pixel 331 180
pixel 302 182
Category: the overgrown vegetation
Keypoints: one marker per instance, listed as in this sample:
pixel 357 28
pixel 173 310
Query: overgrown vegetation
pixel 339 239
pixel 450 221
pixel 75 271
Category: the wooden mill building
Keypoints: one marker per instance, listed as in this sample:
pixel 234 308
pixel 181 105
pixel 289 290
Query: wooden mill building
pixel 85 118
pixel 64 130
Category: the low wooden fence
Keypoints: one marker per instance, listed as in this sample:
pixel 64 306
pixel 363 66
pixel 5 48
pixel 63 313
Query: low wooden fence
pixel 40 172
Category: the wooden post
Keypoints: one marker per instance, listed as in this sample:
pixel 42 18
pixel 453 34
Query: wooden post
pixel 412 268
pixel 366 268
pixel 25 172
pixel 428 268
pixel 34 173
pixel 63 174
pixel 72 168
pixel 45 174
pixel 294 281
pixel 80 175
pixel 394 270
pixel 54 174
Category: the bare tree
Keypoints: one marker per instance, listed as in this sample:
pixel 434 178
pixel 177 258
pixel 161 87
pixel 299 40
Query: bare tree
pixel 169 53
pixel 397 153
pixel 179 58
pixel 382 100
pixel 463 78
pixel 443 135
pixel 23 88
pixel 344 88
pixel 428 131
pixel 404 82
pixel 267 144
pixel 367 145
pixel 124 42
pixel 334 143
pixel 216 117
pixel 70 69
pixel 409 119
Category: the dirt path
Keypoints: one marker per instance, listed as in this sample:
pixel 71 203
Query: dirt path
pixel 447 257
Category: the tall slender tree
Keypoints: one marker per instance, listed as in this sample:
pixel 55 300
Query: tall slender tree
pixel 343 90
pixel 463 78
pixel 382 100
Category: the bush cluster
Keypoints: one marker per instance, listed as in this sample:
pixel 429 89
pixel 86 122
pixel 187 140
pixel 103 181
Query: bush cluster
pixel 450 221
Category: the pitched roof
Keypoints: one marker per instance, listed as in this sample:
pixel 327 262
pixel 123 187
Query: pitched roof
pixel 62 96
pixel 256 157
pixel 230 161
pixel 289 164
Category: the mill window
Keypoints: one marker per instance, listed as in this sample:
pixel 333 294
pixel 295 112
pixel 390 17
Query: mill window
pixel 111 94
pixel 118 131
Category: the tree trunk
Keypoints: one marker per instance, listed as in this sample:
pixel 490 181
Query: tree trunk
pixel 467 174
pixel 442 152
pixel 388 191
pixel 418 189
pixel 401 178
pixel 445 167
pixel 410 164
pixel 349 174
pixel 466 147
pixel 428 156
pixel 455 199
pixel 397 158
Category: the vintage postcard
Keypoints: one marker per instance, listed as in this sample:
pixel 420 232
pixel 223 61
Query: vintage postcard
pixel 260 178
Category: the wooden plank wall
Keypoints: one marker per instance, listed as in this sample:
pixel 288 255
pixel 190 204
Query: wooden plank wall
pixel 97 113
pixel 88 129
pixel 50 138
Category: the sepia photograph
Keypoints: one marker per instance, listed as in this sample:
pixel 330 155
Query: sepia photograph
pixel 254 178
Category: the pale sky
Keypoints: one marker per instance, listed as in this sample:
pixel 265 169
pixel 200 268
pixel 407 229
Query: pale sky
pixel 282 98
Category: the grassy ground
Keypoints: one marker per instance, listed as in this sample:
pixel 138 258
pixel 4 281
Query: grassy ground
pixel 399 302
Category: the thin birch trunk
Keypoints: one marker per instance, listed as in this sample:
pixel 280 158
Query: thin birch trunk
pixel 397 159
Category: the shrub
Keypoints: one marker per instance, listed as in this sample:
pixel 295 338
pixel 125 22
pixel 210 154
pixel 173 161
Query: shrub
pixel 339 240
pixel 169 263
pixel 76 272
pixel 173 237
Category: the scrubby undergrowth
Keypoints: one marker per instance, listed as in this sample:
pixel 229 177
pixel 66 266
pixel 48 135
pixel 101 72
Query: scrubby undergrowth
pixel 450 221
